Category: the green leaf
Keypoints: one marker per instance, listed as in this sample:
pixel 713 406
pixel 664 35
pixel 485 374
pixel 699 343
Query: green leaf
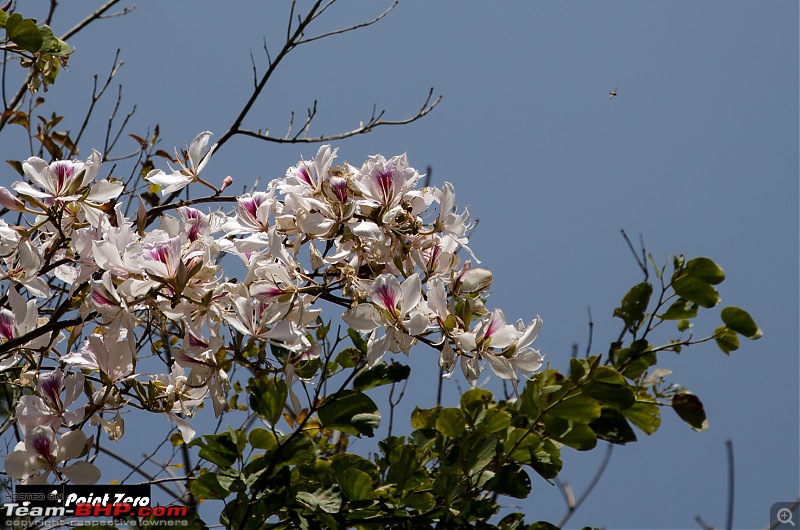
pixel 381 374
pixel 741 322
pixel 450 422
pixel 548 460
pixel 219 449
pixel 637 358
pixel 572 434
pixel 51 44
pixel 511 480
pixel 24 33
pixel 474 403
pixel 263 439
pixel 422 418
pixel 358 342
pixel 356 484
pixel 726 338
pixel 646 416
pixel 521 445
pixel 542 525
pixel 328 500
pixel 268 397
pixel 349 357
pixel 579 408
pixel 683 325
pixel 295 449
pixel 612 427
pixel 207 486
pixel 231 480
pixel 578 368
pixel 481 452
pixel 634 305
pixel 350 411
pixel 705 270
pixel 696 290
pixel 421 501
pixel 496 420
pixel 529 400
pixel 476 397
pixel 3 18
pixel 679 310
pixel 609 387
pixel 690 409
pixel 405 468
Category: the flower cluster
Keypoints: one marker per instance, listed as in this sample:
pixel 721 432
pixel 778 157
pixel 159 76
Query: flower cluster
pixel 367 239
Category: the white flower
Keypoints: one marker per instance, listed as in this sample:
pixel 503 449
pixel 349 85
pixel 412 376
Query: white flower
pixel 42 452
pixel 67 181
pixel 396 307
pixel 177 180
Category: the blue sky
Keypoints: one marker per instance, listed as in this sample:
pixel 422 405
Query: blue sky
pixel 698 153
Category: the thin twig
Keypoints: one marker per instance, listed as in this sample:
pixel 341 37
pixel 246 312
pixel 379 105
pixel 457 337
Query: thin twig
pixel 704 525
pixel 731 485
pixel 146 475
pixel 577 504
pixel 351 28
pixel 591 333
pixel 97 14
pixel 641 263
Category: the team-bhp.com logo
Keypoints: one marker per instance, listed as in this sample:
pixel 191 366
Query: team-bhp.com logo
pixel 87 501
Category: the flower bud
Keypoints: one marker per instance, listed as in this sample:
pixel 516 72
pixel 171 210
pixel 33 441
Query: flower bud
pixel 474 281
pixel 227 181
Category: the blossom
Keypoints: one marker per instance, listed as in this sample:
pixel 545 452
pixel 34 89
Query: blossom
pixel 42 452
pixel 49 408
pixel 68 181
pixel 491 332
pixel 177 180
pixel 206 369
pixel 21 319
pixel 395 306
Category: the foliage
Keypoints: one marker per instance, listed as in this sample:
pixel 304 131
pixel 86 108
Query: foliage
pixel 343 267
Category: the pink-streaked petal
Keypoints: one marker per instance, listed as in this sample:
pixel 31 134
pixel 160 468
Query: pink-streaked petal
pixel 8 324
pixel 41 441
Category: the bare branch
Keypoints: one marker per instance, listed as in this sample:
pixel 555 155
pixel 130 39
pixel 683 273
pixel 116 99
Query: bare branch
pixel 704 525
pixel 577 504
pixel 158 210
pixel 373 123
pixel 351 28
pixel 96 15
pixel 731 485
pixel 294 38
pixel 97 94
pixel 642 262
pixel 131 465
